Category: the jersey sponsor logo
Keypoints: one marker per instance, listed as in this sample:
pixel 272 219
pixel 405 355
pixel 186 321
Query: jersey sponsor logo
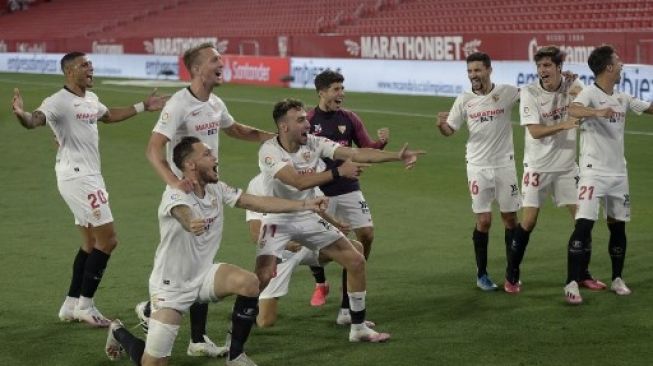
pixel 555 114
pixel 86 117
pixel 342 128
pixel 207 126
pixel 487 116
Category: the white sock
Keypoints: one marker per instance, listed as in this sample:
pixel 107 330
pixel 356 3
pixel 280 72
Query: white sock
pixel 344 311
pixel 85 302
pixel 357 300
pixel 70 302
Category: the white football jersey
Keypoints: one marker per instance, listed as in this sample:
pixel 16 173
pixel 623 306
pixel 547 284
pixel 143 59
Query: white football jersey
pixel 488 120
pixel 185 115
pixel 602 139
pixel 307 160
pixel 73 119
pixel 182 258
pixel 553 153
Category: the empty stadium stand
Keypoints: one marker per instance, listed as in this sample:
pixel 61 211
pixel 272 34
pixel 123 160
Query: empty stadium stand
pixel 150 18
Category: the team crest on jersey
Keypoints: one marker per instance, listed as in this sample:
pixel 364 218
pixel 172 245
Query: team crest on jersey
pixel 164 116
pixel 317 129
pixel 97 213
pixel 268 161
pixel 174 197
pixel 342 128
pixel 495 98
pixel 306 155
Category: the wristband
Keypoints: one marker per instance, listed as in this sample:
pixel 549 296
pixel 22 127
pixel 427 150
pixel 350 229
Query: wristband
pixel 335 173
pixel 139 107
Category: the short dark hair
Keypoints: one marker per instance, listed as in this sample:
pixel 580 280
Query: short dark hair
pixel 191 55
pixel 327 77
pixel 480 56
pixel 552 52
pixel 600 58
pixel 68 58
pixel 282 107
pixel 183 149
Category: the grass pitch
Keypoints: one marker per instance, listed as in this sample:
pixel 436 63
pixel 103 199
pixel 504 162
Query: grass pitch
pixel 421 272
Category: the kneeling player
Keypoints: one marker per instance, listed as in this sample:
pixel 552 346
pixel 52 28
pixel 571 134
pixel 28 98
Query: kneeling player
pixel 184 272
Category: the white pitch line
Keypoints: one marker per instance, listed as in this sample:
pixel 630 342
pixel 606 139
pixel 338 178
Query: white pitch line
pixel 265 102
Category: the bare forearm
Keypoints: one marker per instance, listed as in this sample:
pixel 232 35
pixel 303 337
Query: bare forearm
pixel 161 166
pixel 579 111
pixel 31 120
pixel 373 156
pixel 541 131
pixel 248 133
pixel 119 114
pixel 269 204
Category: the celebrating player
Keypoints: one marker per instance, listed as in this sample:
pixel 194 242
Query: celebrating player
pixel 184 273
pixel 491 173
pixel 603 173
pixel 328 119
pixel 72 113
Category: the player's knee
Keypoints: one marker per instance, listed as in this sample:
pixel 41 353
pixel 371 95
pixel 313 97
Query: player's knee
pixel 356 263
pixel 357 245
pixel 365 236
pixel 509 219
pixel 107 244
pixel 528 223
pixel 483 223
pixel 249 285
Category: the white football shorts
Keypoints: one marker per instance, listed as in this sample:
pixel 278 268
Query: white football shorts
pixel 489 184
pixel 611 191
pixel 537 186
pixel 351 208
pixel 88 200
pixel 311 231
pixel 182 299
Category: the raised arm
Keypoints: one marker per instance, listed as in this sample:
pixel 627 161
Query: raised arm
pixel 26 119
pixel 363 139
pixel 184 216
pixel 153 102
pixel 156 156
pixel 247 133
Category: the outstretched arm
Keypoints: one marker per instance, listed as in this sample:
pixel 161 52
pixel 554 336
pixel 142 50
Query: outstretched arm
pixel 277 205
pixel 247 133
pixel 409 157
pixel 153 102
pixel 26 119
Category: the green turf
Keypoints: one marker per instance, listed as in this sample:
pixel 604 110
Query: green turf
pixel 421 273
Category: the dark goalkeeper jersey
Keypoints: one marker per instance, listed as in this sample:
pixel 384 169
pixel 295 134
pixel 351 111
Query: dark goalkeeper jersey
pixel 344 127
